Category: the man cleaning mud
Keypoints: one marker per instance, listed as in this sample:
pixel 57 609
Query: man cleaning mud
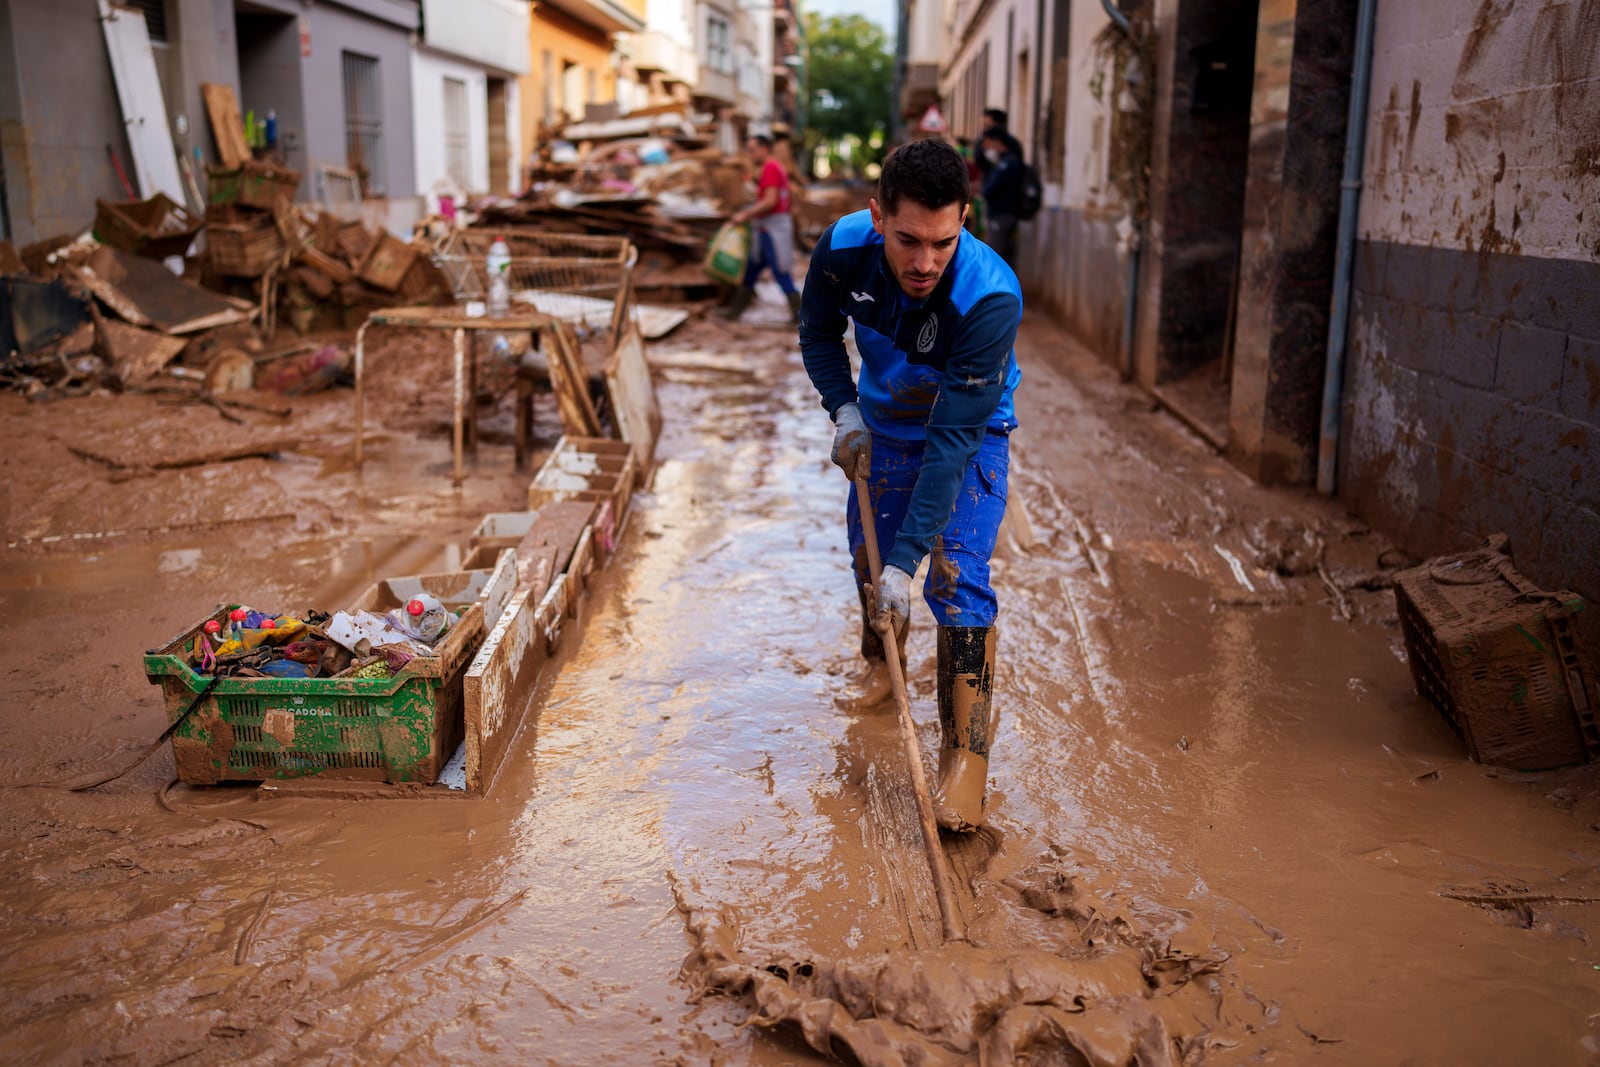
pixel 936 313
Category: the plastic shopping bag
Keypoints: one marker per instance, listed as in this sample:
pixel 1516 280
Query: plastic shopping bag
pixel 728 253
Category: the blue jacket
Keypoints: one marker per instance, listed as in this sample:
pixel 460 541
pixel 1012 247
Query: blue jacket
pixel 939 370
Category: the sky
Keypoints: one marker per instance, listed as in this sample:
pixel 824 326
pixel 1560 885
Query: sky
pixel 879 11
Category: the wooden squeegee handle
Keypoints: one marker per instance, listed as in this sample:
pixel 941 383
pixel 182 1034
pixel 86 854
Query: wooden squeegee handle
pixel 908 733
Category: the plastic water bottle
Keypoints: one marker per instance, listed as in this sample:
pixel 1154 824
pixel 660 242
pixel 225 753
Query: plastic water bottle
pixel 272 128
pixel 423 617
pixel 498 266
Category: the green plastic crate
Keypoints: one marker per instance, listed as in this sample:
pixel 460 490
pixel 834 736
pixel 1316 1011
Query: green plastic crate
pixel 400 729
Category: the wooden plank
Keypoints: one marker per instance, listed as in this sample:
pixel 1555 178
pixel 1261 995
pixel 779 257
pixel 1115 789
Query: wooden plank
pixel 580 568
pixel 500 678
pixel 561 526
pixel 633 397
pixel 227 125
pixel 570 383
pixel 500 683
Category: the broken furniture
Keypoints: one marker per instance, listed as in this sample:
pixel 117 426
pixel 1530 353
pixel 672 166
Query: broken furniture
pixel 458 324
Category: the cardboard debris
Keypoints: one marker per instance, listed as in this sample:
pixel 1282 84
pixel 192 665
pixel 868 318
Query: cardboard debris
pixel 386 264
pixel 134 355
pixel 145 293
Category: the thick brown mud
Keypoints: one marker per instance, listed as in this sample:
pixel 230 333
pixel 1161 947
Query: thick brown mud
pixel 1223 828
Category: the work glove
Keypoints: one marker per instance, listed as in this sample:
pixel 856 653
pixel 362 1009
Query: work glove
pixel 852 442
pixel 892 594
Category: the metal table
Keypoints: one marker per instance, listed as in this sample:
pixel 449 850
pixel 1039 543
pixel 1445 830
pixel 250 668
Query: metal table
pixel 466 362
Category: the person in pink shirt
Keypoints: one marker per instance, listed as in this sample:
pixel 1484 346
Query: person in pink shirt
pixel 772 231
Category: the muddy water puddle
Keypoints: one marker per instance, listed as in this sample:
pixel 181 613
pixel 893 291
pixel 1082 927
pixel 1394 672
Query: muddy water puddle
pixel 1221 831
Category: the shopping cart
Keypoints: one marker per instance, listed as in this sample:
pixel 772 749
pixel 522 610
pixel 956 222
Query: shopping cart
pixel 583 280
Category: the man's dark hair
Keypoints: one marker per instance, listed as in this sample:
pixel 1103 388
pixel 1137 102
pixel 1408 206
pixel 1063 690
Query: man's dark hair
pixel 996 134
pixel 995 116
pixel 930 173
pixel 763 138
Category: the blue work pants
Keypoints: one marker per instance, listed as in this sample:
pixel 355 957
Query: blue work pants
pixel 957 589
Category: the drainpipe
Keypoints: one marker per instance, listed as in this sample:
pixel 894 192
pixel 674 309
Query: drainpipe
pixel 1349 205
pixel 1131 309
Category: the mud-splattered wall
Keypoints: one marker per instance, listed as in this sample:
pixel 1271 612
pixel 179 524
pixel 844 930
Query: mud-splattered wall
pixel 1472 397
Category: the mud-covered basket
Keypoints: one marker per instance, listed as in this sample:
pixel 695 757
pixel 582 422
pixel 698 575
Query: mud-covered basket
pixel 399 729
pixel 1499 658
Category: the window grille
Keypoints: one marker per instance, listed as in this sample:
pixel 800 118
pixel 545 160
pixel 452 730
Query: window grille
pixel 155 16
pixel 363 121
pixel 457 153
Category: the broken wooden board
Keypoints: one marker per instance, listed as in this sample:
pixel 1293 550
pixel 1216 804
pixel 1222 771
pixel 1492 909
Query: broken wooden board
pixel 227 125
pixel 570 382
pixel 145 293
pixel 501 680
pixel 562 525
pixel 634 407
pixel 135 355
pixel 535 562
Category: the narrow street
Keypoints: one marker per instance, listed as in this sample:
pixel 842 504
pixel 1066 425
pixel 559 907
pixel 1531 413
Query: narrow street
pixel 1217 806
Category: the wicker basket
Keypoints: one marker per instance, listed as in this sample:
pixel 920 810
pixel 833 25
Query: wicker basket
pixel 252 185
pixel 243 247
pixel 1498 658
pixel 154 228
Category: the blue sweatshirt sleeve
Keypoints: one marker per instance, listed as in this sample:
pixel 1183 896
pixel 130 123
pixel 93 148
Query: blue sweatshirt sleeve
pixel 973 386
pixel 822 325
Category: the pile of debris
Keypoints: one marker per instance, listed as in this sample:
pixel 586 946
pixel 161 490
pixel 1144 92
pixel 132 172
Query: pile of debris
pixel 661 180
pixel 123 303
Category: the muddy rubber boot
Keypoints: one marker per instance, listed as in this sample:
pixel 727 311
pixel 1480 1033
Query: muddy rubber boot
pixel 872 690
pixel 966 680
pixel 794 306
pixel 735 307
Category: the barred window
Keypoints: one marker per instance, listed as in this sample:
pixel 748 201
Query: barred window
pixel 363 121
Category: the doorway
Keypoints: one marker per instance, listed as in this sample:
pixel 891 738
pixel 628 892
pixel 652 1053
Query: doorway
pixel 1208 161
pixel 269 75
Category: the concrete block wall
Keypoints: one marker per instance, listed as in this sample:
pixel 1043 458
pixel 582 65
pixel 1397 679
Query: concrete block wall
pixel 1472 393
pixel 58 112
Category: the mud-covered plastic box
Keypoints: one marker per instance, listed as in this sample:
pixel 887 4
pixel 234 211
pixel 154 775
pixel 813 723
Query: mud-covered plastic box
pixel 399 729
pixel 1499 658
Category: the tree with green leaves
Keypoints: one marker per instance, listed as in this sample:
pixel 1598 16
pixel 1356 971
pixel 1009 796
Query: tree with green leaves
pixel 849 80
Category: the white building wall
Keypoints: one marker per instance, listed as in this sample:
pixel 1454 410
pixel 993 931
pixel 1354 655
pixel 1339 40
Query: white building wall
pixel 925 35
pixel 493 32
pixel 1088 132
pixel 428 71
pixel 1002 86
pixel 675 18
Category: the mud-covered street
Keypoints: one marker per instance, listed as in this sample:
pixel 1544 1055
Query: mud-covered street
pixel 1224 829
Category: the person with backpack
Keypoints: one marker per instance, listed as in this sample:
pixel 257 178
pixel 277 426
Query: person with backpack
pixel 1002 193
